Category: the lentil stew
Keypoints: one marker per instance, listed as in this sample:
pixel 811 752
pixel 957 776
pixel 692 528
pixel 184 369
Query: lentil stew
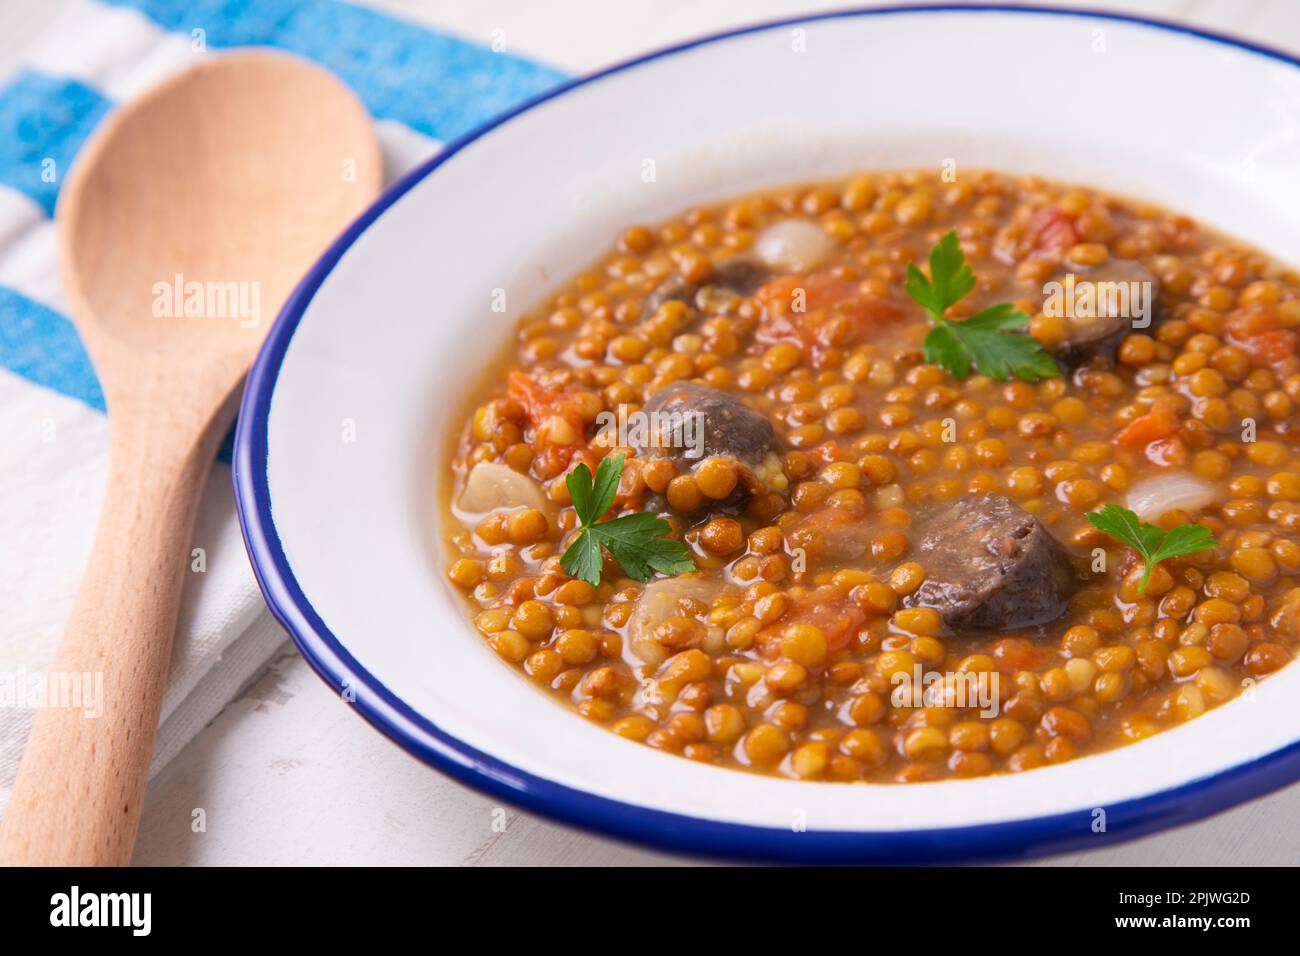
pixel 874 533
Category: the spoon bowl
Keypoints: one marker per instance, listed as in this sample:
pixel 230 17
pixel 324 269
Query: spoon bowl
pixel 230 175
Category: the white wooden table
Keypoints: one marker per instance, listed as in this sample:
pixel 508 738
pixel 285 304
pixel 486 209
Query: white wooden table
pixel 288 774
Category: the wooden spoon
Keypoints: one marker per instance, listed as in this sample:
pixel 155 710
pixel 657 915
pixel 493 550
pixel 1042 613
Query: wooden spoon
pixel 235 175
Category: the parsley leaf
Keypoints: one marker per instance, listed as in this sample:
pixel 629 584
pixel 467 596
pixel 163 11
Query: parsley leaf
pixel 1185 539
pixel 950 277
pixel 998 355
pixel 636 541
pixel 992 342
pixel 942 347
pixel 1153 543
pixel 583 559
pixel 592 499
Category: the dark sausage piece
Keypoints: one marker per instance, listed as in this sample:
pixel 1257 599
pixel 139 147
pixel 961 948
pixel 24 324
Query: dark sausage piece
pixel 1120 290
pixel 672 289
pixel 726 425
pixel 740 276
pixel 990 565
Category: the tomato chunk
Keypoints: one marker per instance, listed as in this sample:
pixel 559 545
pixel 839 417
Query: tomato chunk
pixel 821 311
pixel 1258 330
pixel 1055 232
pixel 535 397
pixel 1154 425
pixel 838 619
pixel 1274 346
pixel 555 417
pixel 1018 654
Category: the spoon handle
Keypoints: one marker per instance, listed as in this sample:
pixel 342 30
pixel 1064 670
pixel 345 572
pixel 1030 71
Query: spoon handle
pixel 77 800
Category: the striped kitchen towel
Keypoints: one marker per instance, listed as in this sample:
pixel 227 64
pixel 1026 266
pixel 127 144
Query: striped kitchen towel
pixel 421 86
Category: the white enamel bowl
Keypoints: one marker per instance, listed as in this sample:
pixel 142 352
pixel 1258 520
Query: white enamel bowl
pixel 384 338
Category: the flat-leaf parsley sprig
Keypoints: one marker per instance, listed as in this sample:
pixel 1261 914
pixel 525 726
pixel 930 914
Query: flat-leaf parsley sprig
pixel 992 341
pixel 1152 543
pixel 636 541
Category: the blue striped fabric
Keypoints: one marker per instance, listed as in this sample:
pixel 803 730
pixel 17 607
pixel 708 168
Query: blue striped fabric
pixel 43 119
pixel 43 346
pixel 439 85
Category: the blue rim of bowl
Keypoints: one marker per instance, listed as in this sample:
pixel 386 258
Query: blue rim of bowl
pixel 657 828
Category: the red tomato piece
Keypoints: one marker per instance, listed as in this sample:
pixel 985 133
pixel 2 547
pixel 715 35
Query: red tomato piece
pixel 821 311
pixel 1055 232
pixel 1018 654
pixel 1155 424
